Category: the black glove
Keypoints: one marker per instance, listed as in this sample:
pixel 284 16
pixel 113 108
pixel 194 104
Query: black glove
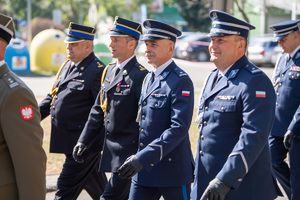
pixel 215 190
pixel 78 151
pixel 130 167
pixel 288 139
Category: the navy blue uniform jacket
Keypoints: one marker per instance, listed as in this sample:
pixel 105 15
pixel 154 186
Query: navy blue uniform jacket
pixel 121 129
pixel 165 114
pixel 287 87
pixel 72 104
pixel 235 118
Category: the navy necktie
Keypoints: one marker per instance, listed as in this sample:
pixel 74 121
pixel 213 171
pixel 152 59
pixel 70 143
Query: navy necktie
pixel 71 68
pixel 217 80
pixel 152 75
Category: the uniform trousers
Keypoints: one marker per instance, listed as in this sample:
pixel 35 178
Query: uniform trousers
pixel 78 176
pixel 288 177
pixel 116 188
pixel 138 192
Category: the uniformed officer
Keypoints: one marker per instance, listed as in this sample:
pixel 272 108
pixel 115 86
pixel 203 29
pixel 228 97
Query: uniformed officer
pixel 72 96
pixel 163 165
pixel 22 157
pixel 116 108
pixel 285 134
pixel 235 116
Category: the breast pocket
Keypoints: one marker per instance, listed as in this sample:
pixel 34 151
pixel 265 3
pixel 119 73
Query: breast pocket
pixel 122 91
pixel 294 75
pixel 225 112
pixel 74 85
pixel 158 109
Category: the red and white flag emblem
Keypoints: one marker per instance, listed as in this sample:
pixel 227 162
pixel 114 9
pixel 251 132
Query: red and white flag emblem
pixel 261 94
pixel 26 112
pixel 186 93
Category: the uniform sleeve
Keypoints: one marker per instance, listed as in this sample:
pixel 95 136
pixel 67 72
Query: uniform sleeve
pixel 181 112
pixel 93 125
pixel 139 84
pixel 96 86
pixel 20 121
pixel 45 106
pixel 295 123
pixel 258 99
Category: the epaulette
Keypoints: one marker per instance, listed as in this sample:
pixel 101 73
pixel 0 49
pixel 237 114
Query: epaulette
pixel 99 64
pixel 180 72
pixel 10 81
pixel 140 67
pixel 252 68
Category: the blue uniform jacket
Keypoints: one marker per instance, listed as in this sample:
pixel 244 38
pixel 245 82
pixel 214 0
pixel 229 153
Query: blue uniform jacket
pixel 121 129
pixel 165 114
pixel 235 119
pixel 287 87
pixel 71 106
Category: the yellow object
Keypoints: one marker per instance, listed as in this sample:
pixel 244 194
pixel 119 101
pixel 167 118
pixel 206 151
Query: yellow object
pixel 48 50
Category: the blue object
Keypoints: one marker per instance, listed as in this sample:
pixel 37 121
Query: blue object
pixel 155 30
pixel 17 56
pixel 123 27
pixel 224 24
pixel 282 29
pixel 78 33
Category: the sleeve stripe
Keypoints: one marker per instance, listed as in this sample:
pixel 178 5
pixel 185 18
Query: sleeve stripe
pixel 243 158
pixel 160 147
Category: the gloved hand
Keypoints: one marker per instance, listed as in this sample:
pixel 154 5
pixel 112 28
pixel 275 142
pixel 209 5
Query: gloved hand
pixel 78 151
pixel 130 167
pixel 288 139
pixel 215 190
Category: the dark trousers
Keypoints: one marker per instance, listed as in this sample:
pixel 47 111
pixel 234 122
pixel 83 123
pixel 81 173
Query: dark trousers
pixel 78 176
pixel 138 192
pixel 116 188
pixel 281 169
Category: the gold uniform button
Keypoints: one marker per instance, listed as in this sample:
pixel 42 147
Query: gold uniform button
pixel 204 123
pixel 151 165
pixel 222 108
pixel 240 180
pixel 206 108
pixel 277 104
pixel 277 93
pixel 143 116
pixel 282 75
pixel 142 130
pixel 170 159
pixel 144 103
pixel 202 137
pixel 280 84
pixel 141 144
pixel 156 105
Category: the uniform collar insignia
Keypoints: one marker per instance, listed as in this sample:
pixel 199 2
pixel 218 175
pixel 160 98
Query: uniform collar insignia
pixel 164 75
pixel 233 73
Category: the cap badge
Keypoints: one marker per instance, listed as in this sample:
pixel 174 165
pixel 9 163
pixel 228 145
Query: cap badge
pixel 215 16
pixel 148 23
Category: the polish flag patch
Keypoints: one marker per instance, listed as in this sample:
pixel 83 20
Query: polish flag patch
pixel 186 93
pixel 26 112
pixel 260 94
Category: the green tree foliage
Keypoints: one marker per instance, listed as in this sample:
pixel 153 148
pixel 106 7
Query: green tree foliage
pixel 196 12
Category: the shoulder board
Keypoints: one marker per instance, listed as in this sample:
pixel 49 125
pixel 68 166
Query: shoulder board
pixel 99 64
pixel 140 67
pixel 180 72
pixel 252 69
pixel 10 81
pixel 297 55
